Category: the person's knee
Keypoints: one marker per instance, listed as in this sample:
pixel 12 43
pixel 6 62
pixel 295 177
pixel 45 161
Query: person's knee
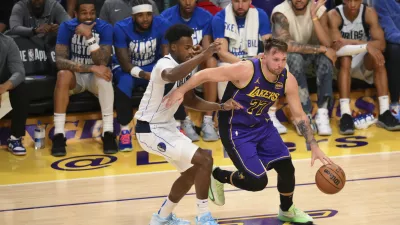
pixel 258 183
pixel 64 78
pixel 206 159
pixel 104 85
pixel 345 63
pixel 295 62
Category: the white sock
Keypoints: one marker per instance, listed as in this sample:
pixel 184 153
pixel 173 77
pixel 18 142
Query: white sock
pixel 187 118
pixel 202 207
pixel 207 119
pixel 59 123
pixel 106 99
pixel 108 120
pixel 383 104
pixel 166 208
pixel 345 106
pixel 125 127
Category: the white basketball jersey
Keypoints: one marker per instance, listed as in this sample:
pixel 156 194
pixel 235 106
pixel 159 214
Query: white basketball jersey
pixel 151 108
pixel 356 30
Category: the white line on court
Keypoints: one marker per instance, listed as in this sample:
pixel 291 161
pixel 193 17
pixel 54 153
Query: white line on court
pixel 169 171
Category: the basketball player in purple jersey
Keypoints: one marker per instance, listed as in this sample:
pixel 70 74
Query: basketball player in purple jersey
pixel 248 135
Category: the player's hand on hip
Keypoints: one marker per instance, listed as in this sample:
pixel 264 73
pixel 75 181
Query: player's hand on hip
pixel 85 30
pixel 102 72
pixel 172 98
pixel 231 105
pixel 317 153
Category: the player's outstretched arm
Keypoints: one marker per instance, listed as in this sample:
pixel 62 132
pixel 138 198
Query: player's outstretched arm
pixel 301 120
pixel 182 70
pixel 63 62
pixel 234 72
pixel 191 100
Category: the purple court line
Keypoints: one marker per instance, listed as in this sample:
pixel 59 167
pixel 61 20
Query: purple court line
pixel 164 196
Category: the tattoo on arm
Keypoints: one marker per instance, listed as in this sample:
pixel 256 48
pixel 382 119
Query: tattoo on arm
pixel 306 131
pixel 124 59
pixel 63 62
pixel 280 30
pixel 102 56
pixel 280 27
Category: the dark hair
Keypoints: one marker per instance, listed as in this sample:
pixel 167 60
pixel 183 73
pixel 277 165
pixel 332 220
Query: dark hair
pixel 175 32
pixel 139 2
pixel 275 43
pixel 82 2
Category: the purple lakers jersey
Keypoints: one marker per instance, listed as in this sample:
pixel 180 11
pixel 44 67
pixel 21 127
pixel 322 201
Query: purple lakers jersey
pixel 256 98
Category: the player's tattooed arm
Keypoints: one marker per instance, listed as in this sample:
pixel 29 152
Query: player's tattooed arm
pixel 102 56
pixel 280 30
pixel 306 130
pixel 64 63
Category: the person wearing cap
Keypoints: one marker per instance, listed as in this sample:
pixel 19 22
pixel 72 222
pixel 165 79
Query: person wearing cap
pixel 139 43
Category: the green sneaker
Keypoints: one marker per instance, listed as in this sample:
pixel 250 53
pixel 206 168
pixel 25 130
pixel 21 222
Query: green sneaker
pixel 294 215
pixel 216 191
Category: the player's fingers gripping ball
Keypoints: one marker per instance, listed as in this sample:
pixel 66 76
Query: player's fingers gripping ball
pixel 330 179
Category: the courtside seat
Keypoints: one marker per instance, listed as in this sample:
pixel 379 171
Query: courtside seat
pixel 41 92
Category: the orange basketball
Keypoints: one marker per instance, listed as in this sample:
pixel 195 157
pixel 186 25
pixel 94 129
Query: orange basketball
pixel 330 179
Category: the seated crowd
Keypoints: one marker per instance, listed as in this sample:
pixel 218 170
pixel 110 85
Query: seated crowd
pixel 110 49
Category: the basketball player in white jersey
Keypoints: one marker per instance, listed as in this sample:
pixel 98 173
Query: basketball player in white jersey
pixel 157 133
pixel 359 41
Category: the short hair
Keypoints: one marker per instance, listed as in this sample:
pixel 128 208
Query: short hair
pixel 82 2
pixel 177 31
pixel 275 43
pixel 134 3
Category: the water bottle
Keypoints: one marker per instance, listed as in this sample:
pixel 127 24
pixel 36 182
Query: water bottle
pixel 39 136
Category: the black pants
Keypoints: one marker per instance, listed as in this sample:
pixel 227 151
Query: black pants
pixel 19 99
pixel 392 55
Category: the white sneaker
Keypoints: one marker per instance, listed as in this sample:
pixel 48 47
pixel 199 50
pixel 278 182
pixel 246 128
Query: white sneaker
pixel 281 129
pixel 322 121
pixel 169 220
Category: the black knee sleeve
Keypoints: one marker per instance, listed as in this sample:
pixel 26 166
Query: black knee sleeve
pixel 248 182
pixel 123 106
pixel 286 178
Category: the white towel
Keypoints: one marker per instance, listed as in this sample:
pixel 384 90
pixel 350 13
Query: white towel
pixel 5 104
pixel 249 42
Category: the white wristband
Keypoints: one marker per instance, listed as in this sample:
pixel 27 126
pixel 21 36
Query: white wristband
pixel 135 71
pixel 92 44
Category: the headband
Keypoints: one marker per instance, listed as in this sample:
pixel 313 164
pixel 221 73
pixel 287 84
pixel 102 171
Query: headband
pixel 142 8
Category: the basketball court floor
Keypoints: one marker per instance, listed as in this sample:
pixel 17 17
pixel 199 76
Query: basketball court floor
pixel 87 187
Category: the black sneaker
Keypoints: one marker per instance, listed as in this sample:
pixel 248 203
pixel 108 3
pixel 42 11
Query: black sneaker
pixel 346 125
pixel 59 143
pixel 388 121
pixel 109 143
